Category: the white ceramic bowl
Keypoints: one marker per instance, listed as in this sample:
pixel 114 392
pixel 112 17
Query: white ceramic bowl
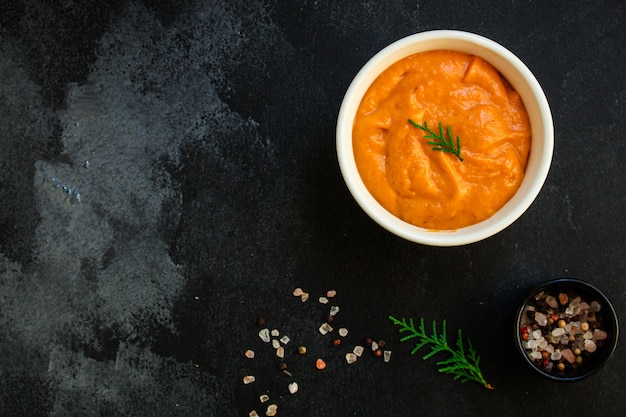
pixel 520 78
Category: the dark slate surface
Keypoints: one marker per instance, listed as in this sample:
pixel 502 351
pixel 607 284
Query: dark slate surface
pixel 168 175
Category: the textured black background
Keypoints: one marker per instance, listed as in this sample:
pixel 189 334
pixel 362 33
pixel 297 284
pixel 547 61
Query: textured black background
pixel 168 174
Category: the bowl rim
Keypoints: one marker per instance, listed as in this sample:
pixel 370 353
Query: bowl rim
pixel 607 306
pixel 522 80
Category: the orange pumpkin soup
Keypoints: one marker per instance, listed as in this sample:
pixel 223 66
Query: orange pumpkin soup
pixel 433 189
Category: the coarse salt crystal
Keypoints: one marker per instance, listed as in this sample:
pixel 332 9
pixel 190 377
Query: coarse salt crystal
pixel 590 346
pixel 297 292
pixel 536 334
pixel 248 379
pixel 280 352
pixel 264 334
pixel 541 319
pixel 285 339
pixel 551 301
pixel 588 335
pixel 249 354
pixel 568 355
pixel 331 293
pixel 323 300
pixel 334 310
pixel 600 334
pixel 555 356
pixel 271 411
pixel 351 357
pixel 343 332
pixel 387 355
pixel 293 387
pixel 535 355
pixel 559 331
pixel 358 350
pixel 325 328
pixel 595 306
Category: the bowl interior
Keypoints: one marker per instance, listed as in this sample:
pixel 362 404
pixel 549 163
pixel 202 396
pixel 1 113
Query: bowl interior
pixel 609 324
pixel 521 79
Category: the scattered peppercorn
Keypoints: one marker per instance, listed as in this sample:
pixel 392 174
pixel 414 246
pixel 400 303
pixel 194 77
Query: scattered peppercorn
pixel 282 366
pixel 301 350
pixel 320 364
pixel 336 342
pixel 560 366
pixel 378 352
pixel 329 319
pixel 381 343
pixel 260 321
pixel 368 341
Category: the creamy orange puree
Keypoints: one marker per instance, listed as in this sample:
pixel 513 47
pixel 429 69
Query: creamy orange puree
pixel 432 189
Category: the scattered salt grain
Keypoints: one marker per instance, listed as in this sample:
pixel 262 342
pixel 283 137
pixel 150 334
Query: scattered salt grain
pixel 374 346
pixel 285 339
pixel 275 333
pixel 304 297
pixel 253 413
pixel 559 331
pixel 323 300
pixel 293 387
pixel 387 355
pixel 248 379
pixel 264 398
pixel 264 334
pixel 588 335
pixel 351 357
pixel 343 332
pixel 249 354
pixel 325 328
pixel 358 350
pixel 280 352
pixel 331 293
pixel 556 356
pixel 271 411
pixel 334 310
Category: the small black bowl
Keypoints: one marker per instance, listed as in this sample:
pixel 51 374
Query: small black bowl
pixel 605 319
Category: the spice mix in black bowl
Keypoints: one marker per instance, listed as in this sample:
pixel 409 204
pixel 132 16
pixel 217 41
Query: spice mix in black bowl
pixel 566 329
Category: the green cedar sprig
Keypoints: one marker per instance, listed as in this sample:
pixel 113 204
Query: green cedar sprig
pixel 462 364
pixel 441 143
